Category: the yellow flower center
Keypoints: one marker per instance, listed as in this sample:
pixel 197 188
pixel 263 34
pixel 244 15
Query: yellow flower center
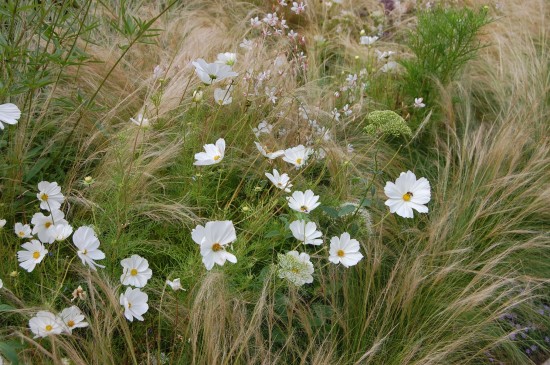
pixel 217 157
pixel 340 253
pixel 299 161
pixel 21 233
pixel 216 247
pixel 70 323
pixel 295 270
pixel 48 224
pixel 49 328
pixel 44 196
pixel 133 272
pixel 36 254
pixel 129 305
pixel 407 196
pixel 303 208
pixel 85 252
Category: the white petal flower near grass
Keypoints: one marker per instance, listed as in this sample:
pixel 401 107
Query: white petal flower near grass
pixel 73 318
pixel 268 153
pixel 344 250
pixel 227 58
pixel 295 267
pixel 280 181
pixel 297 156
pixel 87 245
pixel 49 195
pixel 303 202
pixel 62 231
pixel 136 271
pixel 32 254
pixel 44 226
pixel 135 304
pixel 45 324
pixel 9 114
pixel 210 73
pixel 306 232
pixel 406 194
pixel 213 239
pixel 213 154
pixel 223 96
pixel 23 230
pixel 2 223
pixel 175 284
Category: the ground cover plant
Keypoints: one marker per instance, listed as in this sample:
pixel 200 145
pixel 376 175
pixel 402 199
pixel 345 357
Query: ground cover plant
pixel 274 182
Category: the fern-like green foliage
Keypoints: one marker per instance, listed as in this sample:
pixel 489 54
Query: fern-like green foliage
pixel 443 42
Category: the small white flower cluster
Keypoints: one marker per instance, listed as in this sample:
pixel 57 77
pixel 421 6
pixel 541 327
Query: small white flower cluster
pixel 135 272
pixel 210 73
pixel 52 228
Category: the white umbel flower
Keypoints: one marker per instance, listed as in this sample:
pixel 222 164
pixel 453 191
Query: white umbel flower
pixel 406 194
pixel 267 153
pixel 49 195
pixel 135 304
pixel 9 114
pixel 73 318
pixel 45 324
pixel 344 250
pixel 306 232
pixel 33 254
pixel 23 230
pixel 210 73
pixel 297 155
pixel 213 239
pixel 227 58
pixel 44 226
pixel 135 272
pixel 213 155
pixel 280 181
pixel 87 245
pixel 296 268
pixel 303 202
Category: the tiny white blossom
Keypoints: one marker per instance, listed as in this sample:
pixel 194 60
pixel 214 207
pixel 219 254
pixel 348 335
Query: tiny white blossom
pixel 227 58
pixel 271 94
pixel 214 154
pixel 280 181
pixel 247 44
pixel 306 232
pixel 267 153
pixel 223 96
pixel 140 121
pixel 263 127
pixel 49 195
pixel 175 285
pixel 390 66
pixel 297 155
pixel 255 22
pixel 303 202
pixel 418 103
pixel 292 34
pixel 298 8
pixel 366 40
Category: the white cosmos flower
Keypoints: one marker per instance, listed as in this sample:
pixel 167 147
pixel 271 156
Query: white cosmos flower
pixel 296 268
pixel 87 244
pixel 33 254
pixel 214 154
pixel 263 127
pixel 135 304
pixel 135 272
pixel 1 284
pixel 267 153
pixel 175 285
pixel 49 195
pixel 366 40
pixel 344 250
pixel 227 58
pixel 223 96
pixel 406 194
pixel 9 114
pixel 23 230
pixel 280 181
pixel 390 66
pixel 210 73
pixel 62 231
pixel 297 155
pixel 46 323
pixel 73 318
pixel 44 226
pixel 2 223
pixel 418 103
pixel 306 232
pixel 303 202
pixel 140 121
pixel 213 239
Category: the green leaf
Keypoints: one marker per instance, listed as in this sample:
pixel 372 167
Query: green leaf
pixel 273 233
pixel 346 209
pixel 330 211
pixel 9 351
pixel 6 308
